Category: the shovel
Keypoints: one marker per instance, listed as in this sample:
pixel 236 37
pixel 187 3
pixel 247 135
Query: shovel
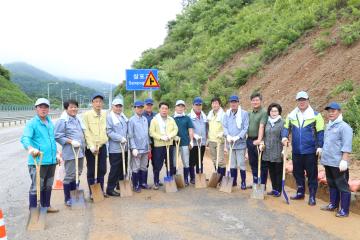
pixel 258 189
pixel 96 190
pixel 200 178
pixel 170 185
pixel 215 176
pixel 179 179
pixel 77 195
pixel 227 181
pixel 37 215
pixel 125 185
pixel 283 176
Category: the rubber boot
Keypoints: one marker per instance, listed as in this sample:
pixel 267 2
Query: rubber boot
pixel 300 194
pixel 67 189
pixel 221 171
pixel 172 171
pixel 143 180
pixel 243 179
pixel 135 182
pixel 345 204
pixel 233 173
pixel 334 200
pixel 32 201
pixel 186 176
pixel 42 198
pixel 192 175
pixel 312 197
pixel 255 178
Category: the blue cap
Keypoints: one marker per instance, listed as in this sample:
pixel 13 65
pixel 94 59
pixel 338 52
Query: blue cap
pixel 149 101
pixel 138 104
pixel 233 98
pixel 197 100
pixel 95 95
pixel 333 105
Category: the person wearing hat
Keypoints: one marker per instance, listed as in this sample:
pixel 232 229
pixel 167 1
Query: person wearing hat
pixel 186 131
pixel 38 138
pixel 116 129
pixel 140 147
pixel 149 114
pixel 257 121
pixel 236 124
pixel 69 133
pixel 96 139
pixel 199 121
pixel 163 129
pixel 307 129
pixel 335 157
pixel 216 135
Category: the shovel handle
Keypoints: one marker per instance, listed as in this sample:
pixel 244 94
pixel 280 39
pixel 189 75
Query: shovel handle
pixel 284 161
pixel 199 141
pixel 217 155
pixel 231 146
pixel 37 177
pixel 167 160
pixel 122 145
pixel 76 156
pixel 96 161
pixel 259 161
pixel 177 144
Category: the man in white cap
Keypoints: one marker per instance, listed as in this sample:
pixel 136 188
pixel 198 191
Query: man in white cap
pixel 116 129
pixel 185 132
pixel 307 129
pixel 38 138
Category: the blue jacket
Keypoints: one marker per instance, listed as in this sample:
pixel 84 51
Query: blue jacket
pixel 39 135
pixel 306 136
pixel 231 128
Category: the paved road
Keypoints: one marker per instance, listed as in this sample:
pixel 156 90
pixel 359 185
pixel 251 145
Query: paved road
pixel 188 214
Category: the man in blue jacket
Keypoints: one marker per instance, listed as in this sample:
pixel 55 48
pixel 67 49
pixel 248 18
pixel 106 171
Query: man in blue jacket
pixel 307 129
pixel 38 136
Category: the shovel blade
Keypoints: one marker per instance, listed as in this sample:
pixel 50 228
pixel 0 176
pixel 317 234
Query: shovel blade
pixel 37 219
pixel 258 191
pixel 97 192
pixel 170 186
pixel 179 180
pixel 200 180
pixel 125 188
pixel 77 199
pixel 214 180
pixel 226 184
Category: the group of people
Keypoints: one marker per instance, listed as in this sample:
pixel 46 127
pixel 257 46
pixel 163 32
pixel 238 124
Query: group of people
pixel 147 135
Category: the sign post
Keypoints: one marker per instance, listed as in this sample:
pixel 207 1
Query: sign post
pixel 142 80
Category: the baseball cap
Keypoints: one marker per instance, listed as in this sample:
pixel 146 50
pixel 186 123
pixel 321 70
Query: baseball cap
pixel 40 101
pixel 302 94
pixel 197 100
pixel 180 102
pixel 233 98
pixel 138 104
pixel 333 105
pixel 95 95
pixel 118 101
pixel 149 101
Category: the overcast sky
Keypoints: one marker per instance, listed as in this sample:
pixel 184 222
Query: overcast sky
pixel 89 39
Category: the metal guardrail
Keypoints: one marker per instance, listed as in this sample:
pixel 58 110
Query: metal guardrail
pixel 16 107
pixel 22 119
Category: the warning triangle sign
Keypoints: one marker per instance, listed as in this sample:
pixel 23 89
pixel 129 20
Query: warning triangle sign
pixel 151 81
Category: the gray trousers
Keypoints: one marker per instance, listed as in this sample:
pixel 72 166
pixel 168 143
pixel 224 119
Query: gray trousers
pixel 139 163
pixel 184 153
pixel 46 177
pixel 213 154
pixel 70 170
pixel 238 159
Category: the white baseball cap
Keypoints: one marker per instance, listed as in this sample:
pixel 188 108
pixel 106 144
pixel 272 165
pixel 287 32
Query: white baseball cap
pixel 180 102
pixel 42 101
pixel 302 94
pixel 118 101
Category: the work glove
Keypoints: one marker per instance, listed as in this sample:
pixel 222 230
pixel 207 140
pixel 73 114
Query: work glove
pixel 220 135
pixel 285 141
pixel 229 138
pixel 235 138
pixel 123 140
pixel 177 138
pixel 164 138
pixel 197 137
pixel 318 151
pixel 93 149
pixel 343 165
pixel 75 143
pixel 191 145
pixel 262 147
pixel 135 152
pixel 33 151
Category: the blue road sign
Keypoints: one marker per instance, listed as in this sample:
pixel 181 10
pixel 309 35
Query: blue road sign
pixel 135 79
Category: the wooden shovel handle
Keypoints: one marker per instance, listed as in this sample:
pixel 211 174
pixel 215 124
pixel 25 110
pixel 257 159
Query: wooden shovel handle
pixel 76 156
pixel 122 145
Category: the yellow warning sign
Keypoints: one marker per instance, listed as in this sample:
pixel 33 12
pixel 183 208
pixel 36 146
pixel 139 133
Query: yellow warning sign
pixel 151 81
